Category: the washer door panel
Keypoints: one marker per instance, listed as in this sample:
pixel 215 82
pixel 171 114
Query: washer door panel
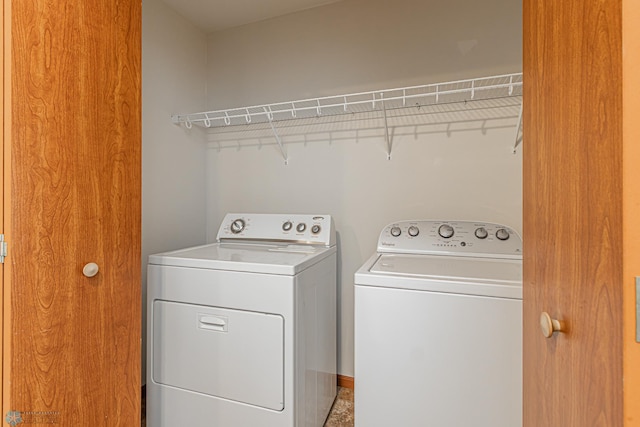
pixel 231 354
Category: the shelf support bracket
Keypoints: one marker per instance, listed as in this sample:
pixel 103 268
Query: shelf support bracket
pixel 283 152
pixel 386 129
pixel 518 127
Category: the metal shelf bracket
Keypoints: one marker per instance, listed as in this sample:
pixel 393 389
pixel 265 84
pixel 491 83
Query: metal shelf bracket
pixel 519 137
pixel 386 128
pixel 283 152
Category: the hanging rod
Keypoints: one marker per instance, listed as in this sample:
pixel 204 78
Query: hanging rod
pixel 438 93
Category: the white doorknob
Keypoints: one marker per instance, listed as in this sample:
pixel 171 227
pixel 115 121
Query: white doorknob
pixel 549 325
pixel 91 269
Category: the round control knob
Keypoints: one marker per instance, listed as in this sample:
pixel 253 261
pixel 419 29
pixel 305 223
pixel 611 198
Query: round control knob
pixel 445 230
pixel 287 226
pixel 413 231
pixel 395 231
pixel 502 234
pixel 315 229
pixel 301 227
pixel 481 233
pixel 237 226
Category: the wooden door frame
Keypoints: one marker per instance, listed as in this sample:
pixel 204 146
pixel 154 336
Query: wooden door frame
pixel 631 205
pixel 5 156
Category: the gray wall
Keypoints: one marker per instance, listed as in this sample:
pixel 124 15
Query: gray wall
pixel 444 166
pixel 173 166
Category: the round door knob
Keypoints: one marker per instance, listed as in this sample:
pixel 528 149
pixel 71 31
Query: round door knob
pixel 549 325
pixel 91 269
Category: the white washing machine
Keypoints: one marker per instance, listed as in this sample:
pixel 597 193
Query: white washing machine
pixel 438 327
pixel 242 332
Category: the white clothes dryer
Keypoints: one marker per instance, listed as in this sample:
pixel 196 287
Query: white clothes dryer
pixel 242 332
pixel 438 327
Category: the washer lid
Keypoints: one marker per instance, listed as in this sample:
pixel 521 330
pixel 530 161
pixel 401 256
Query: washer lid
pixel 461 275
pixel 281 259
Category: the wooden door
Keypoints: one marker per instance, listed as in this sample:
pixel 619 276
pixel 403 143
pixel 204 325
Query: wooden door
pixel 72 196
pixel 572 233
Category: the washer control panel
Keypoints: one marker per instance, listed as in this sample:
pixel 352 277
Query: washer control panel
pixel 299 229
pixel 463 238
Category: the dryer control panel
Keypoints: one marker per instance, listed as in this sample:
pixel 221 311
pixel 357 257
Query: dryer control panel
pixel 278 228
pixel 463 238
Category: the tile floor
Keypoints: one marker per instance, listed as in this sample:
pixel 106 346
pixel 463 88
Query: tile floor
pixel 341 414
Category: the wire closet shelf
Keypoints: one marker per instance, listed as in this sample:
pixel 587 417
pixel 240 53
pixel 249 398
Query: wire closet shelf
pixel 460 91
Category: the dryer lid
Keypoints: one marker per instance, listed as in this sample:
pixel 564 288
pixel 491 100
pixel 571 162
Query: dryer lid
pixel 283 259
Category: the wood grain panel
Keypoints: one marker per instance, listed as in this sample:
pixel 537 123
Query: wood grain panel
pixel 631 204
pixel 75 188
pixel 5 71
pixel 572 212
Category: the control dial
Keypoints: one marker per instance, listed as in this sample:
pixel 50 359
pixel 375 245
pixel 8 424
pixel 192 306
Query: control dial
pixel 237 226
pixel 395 231
pixel 481 233
pixel 502 234
pixel 287 226
pixel 315 229
pixel 413 231
pixel 445 230
pixel 301 227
